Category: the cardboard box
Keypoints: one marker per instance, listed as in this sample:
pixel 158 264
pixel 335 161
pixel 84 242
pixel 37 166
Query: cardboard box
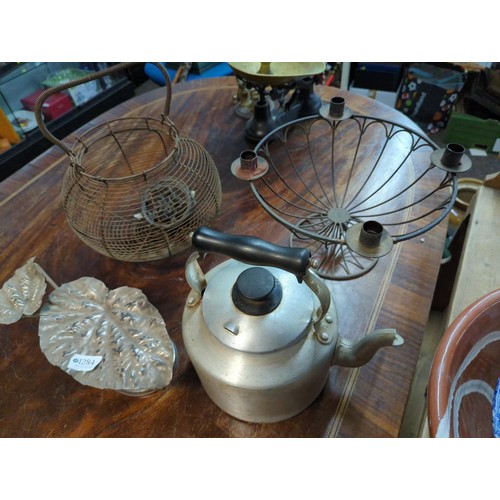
pixel 383 96
pixel 54 106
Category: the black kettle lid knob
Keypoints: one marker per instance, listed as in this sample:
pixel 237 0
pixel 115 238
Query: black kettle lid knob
pixel 256 291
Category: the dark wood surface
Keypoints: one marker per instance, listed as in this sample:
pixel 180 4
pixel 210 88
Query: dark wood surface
pixel 40 400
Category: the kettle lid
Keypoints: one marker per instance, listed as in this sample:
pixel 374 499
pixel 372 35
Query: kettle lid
pixel 256 309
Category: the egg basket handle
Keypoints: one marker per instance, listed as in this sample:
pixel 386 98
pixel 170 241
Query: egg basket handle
pixel 93 76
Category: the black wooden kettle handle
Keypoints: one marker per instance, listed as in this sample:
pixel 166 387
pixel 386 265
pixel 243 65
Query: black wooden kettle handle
pixel 251 250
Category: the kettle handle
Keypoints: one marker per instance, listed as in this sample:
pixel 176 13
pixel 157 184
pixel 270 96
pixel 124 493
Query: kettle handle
pixel 251 250
pixel 255 251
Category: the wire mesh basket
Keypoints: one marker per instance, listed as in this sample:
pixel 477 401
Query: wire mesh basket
pixel 350 187
pixel 135 188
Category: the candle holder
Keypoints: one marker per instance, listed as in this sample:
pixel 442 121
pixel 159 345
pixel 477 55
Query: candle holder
pixel 249 166
pixel 349 187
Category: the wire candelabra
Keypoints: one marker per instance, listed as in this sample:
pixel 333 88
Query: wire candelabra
pixel 349 187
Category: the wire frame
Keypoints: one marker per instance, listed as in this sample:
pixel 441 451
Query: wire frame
pixel 136 189
pixel 326 176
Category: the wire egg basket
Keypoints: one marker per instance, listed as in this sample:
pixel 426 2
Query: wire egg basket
pixel 136 188
pixel 348 187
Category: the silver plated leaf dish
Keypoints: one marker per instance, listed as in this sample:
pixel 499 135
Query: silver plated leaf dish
pixel 108 339
pixel 23 293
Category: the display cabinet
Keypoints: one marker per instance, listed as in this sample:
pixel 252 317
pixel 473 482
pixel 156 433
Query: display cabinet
pixel 63 112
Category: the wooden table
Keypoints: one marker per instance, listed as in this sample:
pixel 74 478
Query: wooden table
pixel 40 400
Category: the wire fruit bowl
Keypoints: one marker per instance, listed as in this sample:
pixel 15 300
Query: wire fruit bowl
pixel 348 187
pixel 135 188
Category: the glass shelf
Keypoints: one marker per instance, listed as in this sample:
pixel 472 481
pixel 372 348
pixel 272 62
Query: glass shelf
pixel 63 112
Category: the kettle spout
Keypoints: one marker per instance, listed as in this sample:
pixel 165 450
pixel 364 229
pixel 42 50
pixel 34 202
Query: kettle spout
pixel 358 353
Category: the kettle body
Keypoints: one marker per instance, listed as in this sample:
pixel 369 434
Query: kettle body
pixel 279 369
pixel 261 329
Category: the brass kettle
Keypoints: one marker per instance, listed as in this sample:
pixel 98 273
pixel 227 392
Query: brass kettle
pixel 261 328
